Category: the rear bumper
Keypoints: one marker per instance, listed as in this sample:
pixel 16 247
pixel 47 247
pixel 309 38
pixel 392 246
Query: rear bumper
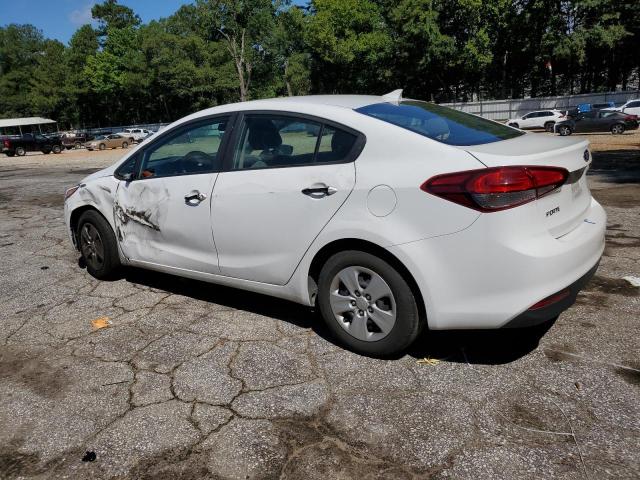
pixel 494 271
pixel 531 318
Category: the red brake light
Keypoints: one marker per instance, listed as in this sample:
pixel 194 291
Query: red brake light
pixel 497 188
pixel 7 143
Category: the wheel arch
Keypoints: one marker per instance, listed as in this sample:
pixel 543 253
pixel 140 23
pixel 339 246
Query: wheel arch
pixel 74 218
pixel 331 248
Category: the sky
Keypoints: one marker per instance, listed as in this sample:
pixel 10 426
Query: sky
pixel 59 19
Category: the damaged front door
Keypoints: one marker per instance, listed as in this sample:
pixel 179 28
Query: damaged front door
pixel 163 216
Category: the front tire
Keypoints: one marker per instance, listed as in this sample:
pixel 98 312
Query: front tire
pixel 367 304
pixel 564 130
pixel 98 245
pixel 56 149
pixel 125 145
pixel 102 146
pixel 617 129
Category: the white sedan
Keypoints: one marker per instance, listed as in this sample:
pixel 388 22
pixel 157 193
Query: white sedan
pixel 390 215
pixel 632 107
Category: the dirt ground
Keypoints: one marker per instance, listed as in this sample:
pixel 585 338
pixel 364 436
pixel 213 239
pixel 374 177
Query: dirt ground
pixel 192 380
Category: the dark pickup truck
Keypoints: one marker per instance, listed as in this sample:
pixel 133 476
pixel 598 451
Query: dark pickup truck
pixel 29 142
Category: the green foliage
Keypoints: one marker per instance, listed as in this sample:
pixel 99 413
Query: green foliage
pixel 217 51
pixel 111 15
pixel 349 43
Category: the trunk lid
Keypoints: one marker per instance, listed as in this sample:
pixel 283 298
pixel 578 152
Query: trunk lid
pixel 562 210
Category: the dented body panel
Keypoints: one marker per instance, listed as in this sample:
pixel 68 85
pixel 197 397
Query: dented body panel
pixel 156 225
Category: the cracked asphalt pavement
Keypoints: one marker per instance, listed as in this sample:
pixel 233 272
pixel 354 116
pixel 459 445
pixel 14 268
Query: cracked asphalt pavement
pixel 193 380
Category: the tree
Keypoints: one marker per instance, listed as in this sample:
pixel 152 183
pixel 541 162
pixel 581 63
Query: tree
pixel 111 15
pixel 350 44
pixel 243 25
pixel 289 50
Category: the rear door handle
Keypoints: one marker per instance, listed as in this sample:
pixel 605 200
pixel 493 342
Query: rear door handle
pixel 319 192
pixel 194 197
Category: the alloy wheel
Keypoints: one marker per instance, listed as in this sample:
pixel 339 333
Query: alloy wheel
pixel 92 246
pixel 362 303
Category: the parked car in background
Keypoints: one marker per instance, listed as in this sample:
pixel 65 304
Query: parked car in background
pixel 135 134
pixel 632 107
pixel 74 140
pixel 597 121
pixel 30 142
pixel 102 142
pixel 539 119
pixel 472 225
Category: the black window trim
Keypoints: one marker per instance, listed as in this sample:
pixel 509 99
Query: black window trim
pixel 169 135
pixel 353 154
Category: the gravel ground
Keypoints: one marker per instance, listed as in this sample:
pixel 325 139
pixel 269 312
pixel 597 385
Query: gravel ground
pixel 193 380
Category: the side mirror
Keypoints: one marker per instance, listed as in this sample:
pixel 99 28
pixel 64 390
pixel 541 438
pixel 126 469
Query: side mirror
pixel 127 177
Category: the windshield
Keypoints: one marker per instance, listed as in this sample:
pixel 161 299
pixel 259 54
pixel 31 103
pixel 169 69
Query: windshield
pixel 440 123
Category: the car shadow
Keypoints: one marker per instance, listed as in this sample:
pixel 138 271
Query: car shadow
pixel 488 347
pixel 472 346
pixel 617 166
pixel 296 314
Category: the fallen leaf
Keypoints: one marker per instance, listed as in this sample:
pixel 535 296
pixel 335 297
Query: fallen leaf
pixel 428 361
pixel 101 322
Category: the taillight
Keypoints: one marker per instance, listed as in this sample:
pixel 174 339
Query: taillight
pixel 497 188
pixel 6 143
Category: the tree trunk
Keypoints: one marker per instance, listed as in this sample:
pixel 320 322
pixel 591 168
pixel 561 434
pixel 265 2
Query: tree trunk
pixel 286 78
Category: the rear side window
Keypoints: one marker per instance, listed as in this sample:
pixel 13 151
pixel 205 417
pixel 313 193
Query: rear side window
pixel 439 123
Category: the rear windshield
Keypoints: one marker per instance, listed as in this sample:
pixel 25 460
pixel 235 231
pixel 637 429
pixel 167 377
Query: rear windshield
pixel 440 123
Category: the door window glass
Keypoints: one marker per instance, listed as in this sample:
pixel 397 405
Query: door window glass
pixel 191 150
pixel 269 141
pixel 276 141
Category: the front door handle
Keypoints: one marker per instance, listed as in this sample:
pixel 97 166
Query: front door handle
pixel 194 197
pixel 319 192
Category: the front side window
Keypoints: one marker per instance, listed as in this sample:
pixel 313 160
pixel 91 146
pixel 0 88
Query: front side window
pixel 268 141
pixel 190 150
pixel 442 124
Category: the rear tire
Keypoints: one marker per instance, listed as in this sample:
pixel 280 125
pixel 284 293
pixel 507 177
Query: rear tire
pixel 564 130
pixel 378 315
pixel 98 245
pixel 20 151
pixel 617 129
pixel 514 125
pixel 548 127
pixel 125 145
pixel 102 146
